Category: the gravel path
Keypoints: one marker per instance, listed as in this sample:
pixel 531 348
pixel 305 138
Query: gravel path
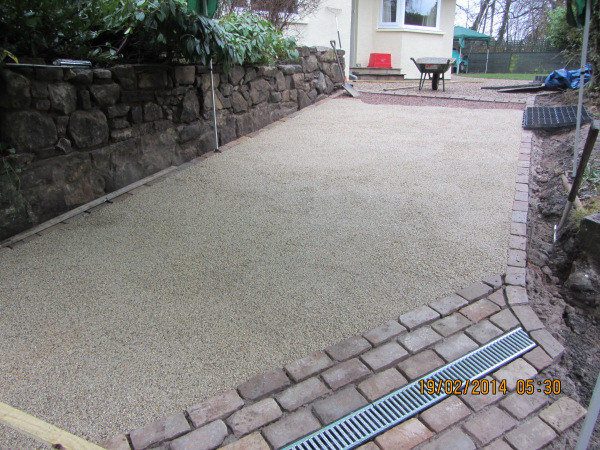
pixel 323 227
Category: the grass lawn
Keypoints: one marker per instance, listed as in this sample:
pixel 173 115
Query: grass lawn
pixel 500 76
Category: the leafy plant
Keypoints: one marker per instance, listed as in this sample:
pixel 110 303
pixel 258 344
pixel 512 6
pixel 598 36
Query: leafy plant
pixel 256 40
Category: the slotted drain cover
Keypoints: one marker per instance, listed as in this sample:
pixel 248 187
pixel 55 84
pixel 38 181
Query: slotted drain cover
pixel 538 117
pixel 389 411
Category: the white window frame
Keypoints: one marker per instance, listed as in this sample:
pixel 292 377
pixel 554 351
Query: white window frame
pixel 399 24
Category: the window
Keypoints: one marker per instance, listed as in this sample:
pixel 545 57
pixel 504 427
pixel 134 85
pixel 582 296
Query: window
pixel 411 13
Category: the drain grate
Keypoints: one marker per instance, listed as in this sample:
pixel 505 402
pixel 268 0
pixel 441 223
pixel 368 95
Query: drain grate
pixel 539 117
pixel 389 411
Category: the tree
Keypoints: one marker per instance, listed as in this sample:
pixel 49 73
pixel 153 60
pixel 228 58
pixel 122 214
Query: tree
pixel 281 13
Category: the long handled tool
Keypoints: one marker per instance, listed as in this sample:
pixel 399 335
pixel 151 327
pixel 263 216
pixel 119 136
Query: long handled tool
pixel 348 87
pixel 585 157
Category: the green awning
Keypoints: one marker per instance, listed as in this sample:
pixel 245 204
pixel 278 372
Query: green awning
pixel 464 34
pixel 203 7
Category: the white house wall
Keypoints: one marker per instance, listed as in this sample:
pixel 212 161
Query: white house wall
pixel 319 28
pixel 402 44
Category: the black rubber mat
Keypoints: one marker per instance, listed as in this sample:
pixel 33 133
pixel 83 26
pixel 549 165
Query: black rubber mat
pixel 553 117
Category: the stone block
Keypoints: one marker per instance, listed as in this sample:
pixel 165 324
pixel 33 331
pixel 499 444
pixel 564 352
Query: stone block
pixel 483 332
pixel 119 442
pixel 218 407
pixel 551 346
pixel 236 75
pixel 445 414
pixel 489 425
pixel 308 366
pixel 528 318
pixel 259 90
pixel 152 112
pixel 517 242
pixel 519 217
pixel 384 332
pixel 381 384
pixel 538 358
pixel 125 76
pixel 15 92
pixel 252 417
pixel 291 428
pixel 419 339
pixel 153 79
pixel 480 310
pixel 522 406
pixel 189 109
pixel 184 75
pixel 494 281
pixel 454 439
pixel 253 441
pixel 384 356
pixel 63 97
pixel 498 298
pixel 263 385
pixel 106 94
pixel 475 291
pixel 448 305
pixel 164 429
pixel 517 258
pixel 517 370
pixel 338 405
pixel 589 235
pixel 516 276
pixel 301 394
pixel 29 130
pixel 88 128
pixel 407 435
pixel 505 320
pixel 351 371
pixel 207 437
pixel 451 324
pixel 348 348
pixel 488 393
pixel 532 435
pixel 563 414
pixel 518 228
pixel 420 364
pixel 418 317
pixel 455 347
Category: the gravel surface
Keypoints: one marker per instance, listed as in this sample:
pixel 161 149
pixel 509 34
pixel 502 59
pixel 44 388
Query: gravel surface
pixel 458 86
pixel 318 229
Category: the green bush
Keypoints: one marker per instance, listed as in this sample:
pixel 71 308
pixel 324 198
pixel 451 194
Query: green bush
pixel 140 31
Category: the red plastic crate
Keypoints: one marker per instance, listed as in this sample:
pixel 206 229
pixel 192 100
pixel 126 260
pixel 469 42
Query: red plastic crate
pixel 382 60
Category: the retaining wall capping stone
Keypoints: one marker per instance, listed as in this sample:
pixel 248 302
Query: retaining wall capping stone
pixel 82 133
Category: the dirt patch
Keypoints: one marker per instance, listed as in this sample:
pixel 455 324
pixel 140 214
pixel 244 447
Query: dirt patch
pixel 556 271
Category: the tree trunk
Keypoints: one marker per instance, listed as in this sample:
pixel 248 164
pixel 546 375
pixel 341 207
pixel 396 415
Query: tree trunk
pixel 480 15
pixel 504 27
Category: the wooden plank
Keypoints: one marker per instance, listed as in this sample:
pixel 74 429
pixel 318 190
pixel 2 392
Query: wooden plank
pixel 83 208
pixel 42 431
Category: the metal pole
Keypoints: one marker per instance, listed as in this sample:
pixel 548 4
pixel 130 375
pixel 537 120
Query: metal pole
pixel 212 91
pixel 586 37
pixel 487 58
pixel 590 418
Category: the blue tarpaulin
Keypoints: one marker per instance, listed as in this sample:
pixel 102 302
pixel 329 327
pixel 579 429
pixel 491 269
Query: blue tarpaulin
pixel 563 79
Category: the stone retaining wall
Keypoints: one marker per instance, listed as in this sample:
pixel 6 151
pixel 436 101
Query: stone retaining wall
pixel 82 133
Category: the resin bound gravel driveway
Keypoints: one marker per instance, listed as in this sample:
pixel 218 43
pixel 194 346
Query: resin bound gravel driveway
pixel 322 227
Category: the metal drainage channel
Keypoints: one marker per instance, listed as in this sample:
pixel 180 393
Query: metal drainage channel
pixel 389 411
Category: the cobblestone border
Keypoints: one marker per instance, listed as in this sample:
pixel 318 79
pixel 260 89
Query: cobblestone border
pixel 280 406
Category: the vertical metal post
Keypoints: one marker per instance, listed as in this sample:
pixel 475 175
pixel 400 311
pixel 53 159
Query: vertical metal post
pixel 590 418
pixel 212 91
pixel 586 37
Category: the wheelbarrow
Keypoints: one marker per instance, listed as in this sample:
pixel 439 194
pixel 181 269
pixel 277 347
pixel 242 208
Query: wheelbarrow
pixel 433 68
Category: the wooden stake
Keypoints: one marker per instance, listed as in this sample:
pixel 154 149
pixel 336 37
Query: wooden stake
pixel 42 431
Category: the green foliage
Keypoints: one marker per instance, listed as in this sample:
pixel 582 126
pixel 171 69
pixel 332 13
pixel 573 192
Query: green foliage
pixel 256 40
pixel 562 35
pixel 140 31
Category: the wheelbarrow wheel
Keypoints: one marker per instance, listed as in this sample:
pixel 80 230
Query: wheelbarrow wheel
pixel 435 81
